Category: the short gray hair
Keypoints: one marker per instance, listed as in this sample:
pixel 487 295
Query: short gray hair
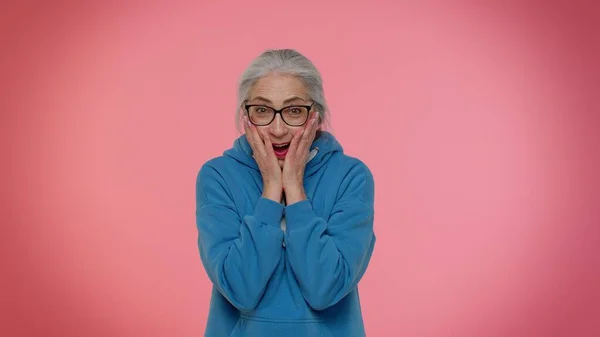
pixel 284 61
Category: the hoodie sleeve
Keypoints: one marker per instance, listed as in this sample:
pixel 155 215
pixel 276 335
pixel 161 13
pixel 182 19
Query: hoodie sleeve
pixel 238 253
pixel 329 257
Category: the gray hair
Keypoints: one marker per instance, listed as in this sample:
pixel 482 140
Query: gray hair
pixel 284 61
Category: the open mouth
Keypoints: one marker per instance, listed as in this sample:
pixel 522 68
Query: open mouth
pixel 281 149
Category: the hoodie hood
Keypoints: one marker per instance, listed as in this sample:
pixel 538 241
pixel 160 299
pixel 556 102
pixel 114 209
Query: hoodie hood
pixel 321 150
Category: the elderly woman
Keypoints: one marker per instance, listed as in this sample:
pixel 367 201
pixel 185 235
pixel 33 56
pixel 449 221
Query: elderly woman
pixel 284 217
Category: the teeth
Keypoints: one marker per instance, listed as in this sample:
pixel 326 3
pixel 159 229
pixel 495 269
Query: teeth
pixel 284 145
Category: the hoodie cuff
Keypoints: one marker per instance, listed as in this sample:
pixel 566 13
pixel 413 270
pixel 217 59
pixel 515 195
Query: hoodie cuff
pixel 268 212
pixel 299 214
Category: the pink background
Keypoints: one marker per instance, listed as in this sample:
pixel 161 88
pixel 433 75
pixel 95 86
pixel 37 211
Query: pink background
pixel 479 122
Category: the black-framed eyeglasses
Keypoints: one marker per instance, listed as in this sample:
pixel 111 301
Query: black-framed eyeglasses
pixel 293 115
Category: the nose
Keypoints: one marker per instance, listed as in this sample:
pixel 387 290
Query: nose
pixel 277 127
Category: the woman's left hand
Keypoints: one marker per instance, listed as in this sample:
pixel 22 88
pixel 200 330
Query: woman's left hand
pixel 295 161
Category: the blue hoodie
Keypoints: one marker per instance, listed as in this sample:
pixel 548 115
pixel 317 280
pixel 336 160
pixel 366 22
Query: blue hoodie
pixel 285 270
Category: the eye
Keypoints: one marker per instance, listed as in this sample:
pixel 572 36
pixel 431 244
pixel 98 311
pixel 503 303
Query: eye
pixel 295 110
pixel 260 110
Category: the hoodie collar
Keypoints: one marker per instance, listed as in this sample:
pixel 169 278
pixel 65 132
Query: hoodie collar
pixel 320 151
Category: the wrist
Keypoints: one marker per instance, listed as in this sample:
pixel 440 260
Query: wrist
pixel 272 192
pixel 294 194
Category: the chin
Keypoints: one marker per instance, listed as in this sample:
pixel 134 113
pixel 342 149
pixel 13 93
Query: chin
pixel 281 162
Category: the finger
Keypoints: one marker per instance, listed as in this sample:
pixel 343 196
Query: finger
pixel 269 151
pixel 248 132
pixel 315 126
pixel 254 140
pixel 294 143
pixel 246 125
pixel 309 133
pixel 260 138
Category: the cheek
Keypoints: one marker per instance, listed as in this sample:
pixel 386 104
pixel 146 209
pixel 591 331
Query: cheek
pixel 291 129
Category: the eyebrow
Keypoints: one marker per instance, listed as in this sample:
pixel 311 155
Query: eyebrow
pixel 266 100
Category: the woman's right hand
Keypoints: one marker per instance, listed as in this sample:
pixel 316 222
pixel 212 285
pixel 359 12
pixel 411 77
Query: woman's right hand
pixel 263 153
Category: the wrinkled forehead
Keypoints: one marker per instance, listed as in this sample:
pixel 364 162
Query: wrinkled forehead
pixel 278 90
